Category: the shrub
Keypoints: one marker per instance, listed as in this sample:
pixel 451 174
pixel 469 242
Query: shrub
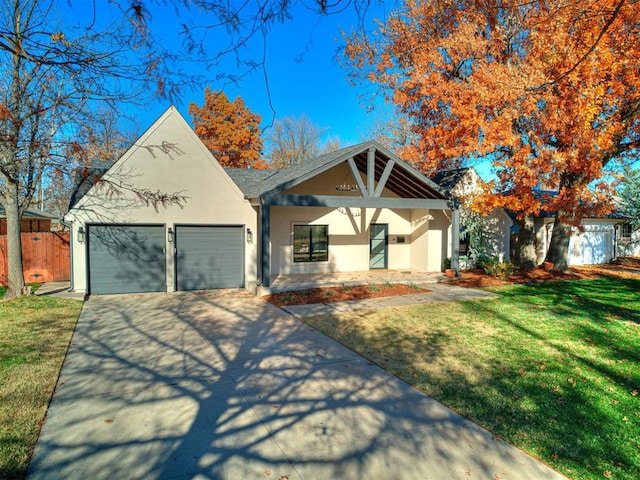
pixel 496 268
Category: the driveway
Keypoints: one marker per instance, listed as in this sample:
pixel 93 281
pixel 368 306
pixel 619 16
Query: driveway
pixel 221 385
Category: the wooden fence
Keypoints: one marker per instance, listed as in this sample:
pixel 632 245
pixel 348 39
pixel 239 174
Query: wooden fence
pixel 45 257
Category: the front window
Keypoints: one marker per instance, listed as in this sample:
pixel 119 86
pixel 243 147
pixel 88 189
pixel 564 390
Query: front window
pixel 310 243
pixel 627 229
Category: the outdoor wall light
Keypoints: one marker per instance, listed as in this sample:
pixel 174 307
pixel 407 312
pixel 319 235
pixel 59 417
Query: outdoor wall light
pixel 81 235
pixel 170 234
pixel 249 236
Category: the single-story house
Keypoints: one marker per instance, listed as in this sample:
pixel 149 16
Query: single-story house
pixel 33 220
pixel 166 216
pixel 465 184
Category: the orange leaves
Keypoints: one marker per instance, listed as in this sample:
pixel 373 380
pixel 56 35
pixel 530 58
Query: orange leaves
pixel 5 113
pixel 229 130
pixel 546 90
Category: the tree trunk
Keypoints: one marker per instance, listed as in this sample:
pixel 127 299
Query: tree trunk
pixel 558 253
pixel 14 242
pixel 526 257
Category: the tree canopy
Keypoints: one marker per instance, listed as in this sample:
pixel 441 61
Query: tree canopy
pixel 292 140
pixel 546 90
pixel 54 78
pixel 229 130
pixel 630 195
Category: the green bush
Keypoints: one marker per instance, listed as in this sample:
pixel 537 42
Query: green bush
pixel 496 268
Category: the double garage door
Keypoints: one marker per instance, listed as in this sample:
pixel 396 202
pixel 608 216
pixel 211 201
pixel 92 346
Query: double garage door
pixel 133 258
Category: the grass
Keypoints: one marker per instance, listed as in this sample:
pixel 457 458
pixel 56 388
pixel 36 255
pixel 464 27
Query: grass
pixel 34 336
pixel 553 368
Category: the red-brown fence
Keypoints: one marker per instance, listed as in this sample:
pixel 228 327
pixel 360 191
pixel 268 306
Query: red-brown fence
pixel 45 257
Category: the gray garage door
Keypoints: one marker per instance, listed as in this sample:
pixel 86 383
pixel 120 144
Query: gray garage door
pixel 209 257
pixel 126 258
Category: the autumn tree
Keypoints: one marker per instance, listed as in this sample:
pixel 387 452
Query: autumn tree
pixel 229 130
pixel 292 140
pixel 94 148
pixel 55 76
pixel 57 69
pixel 331 144
pixel 546 90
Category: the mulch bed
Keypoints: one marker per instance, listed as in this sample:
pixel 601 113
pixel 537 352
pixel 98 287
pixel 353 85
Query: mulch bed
pixel 628 267
pixel 341 294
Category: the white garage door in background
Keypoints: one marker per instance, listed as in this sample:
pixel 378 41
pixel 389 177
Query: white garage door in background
pixel 591 247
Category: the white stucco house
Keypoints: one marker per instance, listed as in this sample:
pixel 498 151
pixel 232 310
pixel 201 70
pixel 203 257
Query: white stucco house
pixel 355 209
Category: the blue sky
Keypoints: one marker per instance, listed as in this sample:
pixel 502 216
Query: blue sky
pixel 302 72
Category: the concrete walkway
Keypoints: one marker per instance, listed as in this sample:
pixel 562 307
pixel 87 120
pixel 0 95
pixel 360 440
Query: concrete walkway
pixel 222 385
pixel 287 283
pixel 59 290
pixel 438 293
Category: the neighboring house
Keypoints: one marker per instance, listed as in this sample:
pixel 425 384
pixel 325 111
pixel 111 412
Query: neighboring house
pixel 33 220
pixel 355 209
pixel 464 184
pixel 600 239
pixel 627 238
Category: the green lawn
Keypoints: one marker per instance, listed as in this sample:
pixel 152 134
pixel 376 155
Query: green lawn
pixel 553 368
pixel 34 336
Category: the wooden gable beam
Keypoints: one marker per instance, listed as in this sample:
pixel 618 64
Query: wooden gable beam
pixel 385 176
pixel 371 170
pixel 358 178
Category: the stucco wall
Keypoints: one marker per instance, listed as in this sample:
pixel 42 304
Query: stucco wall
pixel 500 224
pixel 438 239
pixel 349 238
pixel 168 159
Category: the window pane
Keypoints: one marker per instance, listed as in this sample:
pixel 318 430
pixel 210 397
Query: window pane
pixel 310 243
pixel 301 243
pixel 320 243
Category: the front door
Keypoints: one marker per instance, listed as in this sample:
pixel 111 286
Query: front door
pixel 378 245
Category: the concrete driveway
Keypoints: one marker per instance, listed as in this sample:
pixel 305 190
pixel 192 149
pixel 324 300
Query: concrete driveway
pixel 221 385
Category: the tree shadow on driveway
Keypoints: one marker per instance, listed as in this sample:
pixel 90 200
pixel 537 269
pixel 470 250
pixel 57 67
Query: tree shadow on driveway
pixel 221 384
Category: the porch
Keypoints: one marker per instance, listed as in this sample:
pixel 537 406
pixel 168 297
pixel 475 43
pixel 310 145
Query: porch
pixel 288 283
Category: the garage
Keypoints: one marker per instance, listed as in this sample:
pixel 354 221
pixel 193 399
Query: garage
pixel 209 257
pixel 593 246
pixel 126 258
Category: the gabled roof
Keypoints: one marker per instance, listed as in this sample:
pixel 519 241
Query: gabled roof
pixel 85 178
pixel 543 195
pixel 448 179
pixel 31 214
pixel 249 180
pixel 404 180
